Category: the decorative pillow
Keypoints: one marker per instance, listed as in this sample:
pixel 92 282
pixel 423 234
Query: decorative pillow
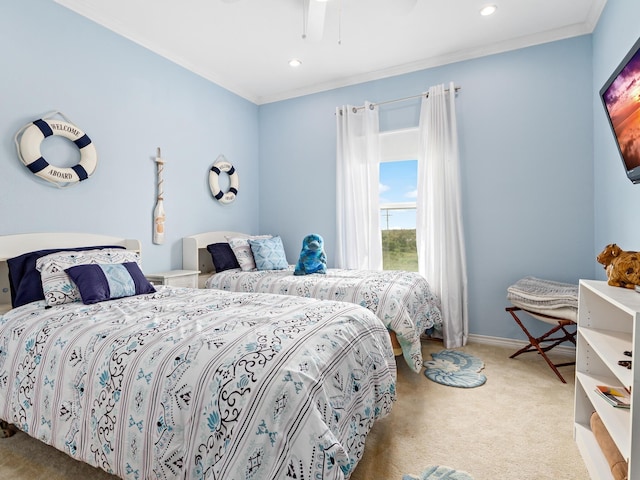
pixel 24 279
pixel 57 287
pixel 222 257
pixel 100 282
pixel 242 251
pixel 268 253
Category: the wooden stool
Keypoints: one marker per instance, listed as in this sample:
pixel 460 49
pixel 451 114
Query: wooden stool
pixel 535 343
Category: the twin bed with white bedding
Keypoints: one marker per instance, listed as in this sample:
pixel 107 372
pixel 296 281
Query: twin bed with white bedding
pixel 182 383
pixel 402 300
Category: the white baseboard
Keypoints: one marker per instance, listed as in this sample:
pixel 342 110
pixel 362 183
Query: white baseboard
pixel 568 351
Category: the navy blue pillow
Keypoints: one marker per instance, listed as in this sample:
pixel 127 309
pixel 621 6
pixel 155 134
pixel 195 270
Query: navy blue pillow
pixel 100 282
pixel 222 256
pixel 24 278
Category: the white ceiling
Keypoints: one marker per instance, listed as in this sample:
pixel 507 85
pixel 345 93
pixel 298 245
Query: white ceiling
pixel 245 45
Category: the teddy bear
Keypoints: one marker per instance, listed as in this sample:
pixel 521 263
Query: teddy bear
pixel 312 258
pixel 622 267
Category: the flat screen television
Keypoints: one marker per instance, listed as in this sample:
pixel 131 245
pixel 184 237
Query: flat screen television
pixel 621 99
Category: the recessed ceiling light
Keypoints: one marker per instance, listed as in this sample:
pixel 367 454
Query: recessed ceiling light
pixel 294 62
pixel 488 10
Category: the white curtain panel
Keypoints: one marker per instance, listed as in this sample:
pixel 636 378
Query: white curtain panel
pixel 359 241
pixel 439 233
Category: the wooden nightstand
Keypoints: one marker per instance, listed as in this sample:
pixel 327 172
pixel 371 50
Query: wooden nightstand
pixel 175 278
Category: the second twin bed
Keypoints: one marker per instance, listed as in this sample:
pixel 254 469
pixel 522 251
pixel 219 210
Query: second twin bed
pixel 402 300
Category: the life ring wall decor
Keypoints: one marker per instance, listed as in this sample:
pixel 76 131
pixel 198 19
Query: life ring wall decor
pixel 29 138
pixel 222 165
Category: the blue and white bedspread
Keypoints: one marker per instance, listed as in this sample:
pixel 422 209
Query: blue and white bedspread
pixel 199 384
pixel 402 300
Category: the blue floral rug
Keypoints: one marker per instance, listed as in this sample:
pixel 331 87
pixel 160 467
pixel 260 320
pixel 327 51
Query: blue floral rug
pixel 438 472
pixel 455 369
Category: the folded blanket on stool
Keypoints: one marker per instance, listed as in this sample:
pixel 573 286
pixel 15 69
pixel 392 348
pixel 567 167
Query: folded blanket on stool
pixel 545 296
pixel 614 458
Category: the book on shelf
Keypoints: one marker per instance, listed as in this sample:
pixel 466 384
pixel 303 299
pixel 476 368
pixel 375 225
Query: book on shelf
pixel 616 396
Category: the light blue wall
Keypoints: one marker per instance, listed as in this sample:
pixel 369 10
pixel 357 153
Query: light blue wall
pixel 617 200
pixel 129 101
pixel 530 122
pixel 525 123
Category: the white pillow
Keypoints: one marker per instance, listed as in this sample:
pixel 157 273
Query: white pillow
pixel 242 251
pixel 58 287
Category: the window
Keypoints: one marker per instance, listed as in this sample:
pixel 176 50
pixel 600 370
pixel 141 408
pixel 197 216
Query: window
pixel 398 189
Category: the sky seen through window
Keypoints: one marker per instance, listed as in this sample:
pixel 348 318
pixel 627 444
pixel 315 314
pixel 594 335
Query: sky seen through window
pixel 398 184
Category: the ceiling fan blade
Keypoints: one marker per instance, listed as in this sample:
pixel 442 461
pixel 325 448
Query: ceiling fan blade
pixel 316 14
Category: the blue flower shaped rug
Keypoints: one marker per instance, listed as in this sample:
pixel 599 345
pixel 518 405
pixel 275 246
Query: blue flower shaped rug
pixel 455 369
pixel 438 472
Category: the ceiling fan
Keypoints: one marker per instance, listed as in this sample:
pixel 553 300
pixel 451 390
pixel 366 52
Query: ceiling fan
pixel 314 14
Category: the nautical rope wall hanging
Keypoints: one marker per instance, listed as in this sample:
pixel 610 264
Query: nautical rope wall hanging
pixel 30 137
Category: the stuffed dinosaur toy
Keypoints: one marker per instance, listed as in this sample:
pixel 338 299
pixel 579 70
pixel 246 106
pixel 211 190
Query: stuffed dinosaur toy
pixel 312 258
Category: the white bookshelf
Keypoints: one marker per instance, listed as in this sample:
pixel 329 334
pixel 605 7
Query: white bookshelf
pixel 607 319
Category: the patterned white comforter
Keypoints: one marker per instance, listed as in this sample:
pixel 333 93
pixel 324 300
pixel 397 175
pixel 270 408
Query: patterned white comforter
pixel 199 384
pixel 402 300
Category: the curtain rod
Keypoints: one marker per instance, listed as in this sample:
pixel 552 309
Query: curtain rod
pixel 373 105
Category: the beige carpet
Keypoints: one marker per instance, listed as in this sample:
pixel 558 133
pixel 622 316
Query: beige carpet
pixel 517 426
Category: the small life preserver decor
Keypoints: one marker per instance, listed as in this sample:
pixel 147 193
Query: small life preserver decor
pixel 29 138
pixel 222 165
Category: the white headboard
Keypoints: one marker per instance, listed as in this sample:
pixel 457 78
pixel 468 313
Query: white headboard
pixel 195 255
pixel 14 245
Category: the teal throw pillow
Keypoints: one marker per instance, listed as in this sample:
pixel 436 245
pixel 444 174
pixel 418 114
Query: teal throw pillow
pixel 268 253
